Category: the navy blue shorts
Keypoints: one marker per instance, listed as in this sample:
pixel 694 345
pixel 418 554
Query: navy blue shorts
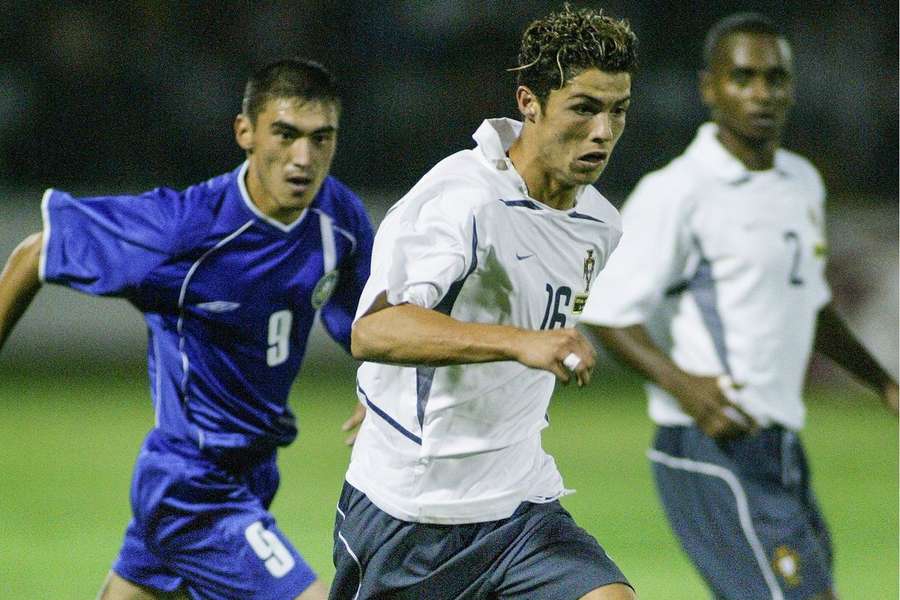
pixel 201 523
pixel 538 552
pixel 744 512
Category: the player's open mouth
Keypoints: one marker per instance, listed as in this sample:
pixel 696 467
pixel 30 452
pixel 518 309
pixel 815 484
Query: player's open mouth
pixel 592 159
pixel 299 183
pixel 762 119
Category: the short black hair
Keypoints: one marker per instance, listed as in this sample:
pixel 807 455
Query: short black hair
pixel 289 78
pixel 744 22
pixel 561 45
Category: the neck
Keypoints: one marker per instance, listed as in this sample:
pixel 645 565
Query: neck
pixel 540 183
pixel 264 201
pixel 757 155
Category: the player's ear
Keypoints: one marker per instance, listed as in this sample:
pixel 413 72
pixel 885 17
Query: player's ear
pixel 243 132
pixel 528 102
pixel 707 89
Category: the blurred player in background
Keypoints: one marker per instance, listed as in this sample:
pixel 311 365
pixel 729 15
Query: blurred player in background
pixel 229 275
pixel 717 295
pixel 467 323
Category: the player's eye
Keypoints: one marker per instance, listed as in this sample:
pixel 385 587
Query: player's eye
pixel 741 77
pixel 586 110
pixel 777 78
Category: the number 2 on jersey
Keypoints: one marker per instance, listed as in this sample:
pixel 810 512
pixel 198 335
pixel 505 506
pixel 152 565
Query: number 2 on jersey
pixel 792 238
pixel 279 337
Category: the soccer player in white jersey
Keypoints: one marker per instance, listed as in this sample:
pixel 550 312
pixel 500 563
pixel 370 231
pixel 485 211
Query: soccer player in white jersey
pixel 466 324
pixel 717 296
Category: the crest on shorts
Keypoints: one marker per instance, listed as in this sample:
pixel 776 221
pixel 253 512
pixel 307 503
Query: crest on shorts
pixel 581 299
pixel 786 563
pixel 324 288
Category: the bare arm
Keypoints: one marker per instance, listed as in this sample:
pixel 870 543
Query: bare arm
pixel 19 283
pixel 835 340
pixel 409 334
pixel 700 397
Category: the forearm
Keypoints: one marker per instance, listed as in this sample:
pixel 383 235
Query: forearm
pixel 835 340
pixel 633 346
pixel 19 283
pixel 409 334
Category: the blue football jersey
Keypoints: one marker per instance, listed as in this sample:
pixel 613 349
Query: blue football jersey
pixel 229 295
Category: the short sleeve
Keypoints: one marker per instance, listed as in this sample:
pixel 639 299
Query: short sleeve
pixel 821 290
pixel 433 252
pixel 650 258
pixel 106 245
pixel 425 244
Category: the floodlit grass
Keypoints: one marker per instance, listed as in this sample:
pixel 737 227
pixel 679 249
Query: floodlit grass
pixel 67 445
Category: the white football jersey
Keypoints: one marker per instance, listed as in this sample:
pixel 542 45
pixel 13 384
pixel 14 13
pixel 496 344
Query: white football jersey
pixel 462 443
pixel 725 267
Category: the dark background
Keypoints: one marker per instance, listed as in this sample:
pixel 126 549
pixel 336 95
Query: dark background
pixel 123 96
pixel 126 95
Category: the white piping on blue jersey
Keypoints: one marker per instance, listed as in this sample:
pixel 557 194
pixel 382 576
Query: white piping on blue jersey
pixel 352 554
pixel 45 215
pixel 185 363
pixel 158 383
pixel 245 195
pixel 743 508
pixel 350 237
pixel 329 252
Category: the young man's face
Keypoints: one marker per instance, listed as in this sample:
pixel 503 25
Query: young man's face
pixel 290 149
pixel 578 126
pixel 749 87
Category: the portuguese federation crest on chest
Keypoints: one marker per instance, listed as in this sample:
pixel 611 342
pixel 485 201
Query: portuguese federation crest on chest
pixel 588 272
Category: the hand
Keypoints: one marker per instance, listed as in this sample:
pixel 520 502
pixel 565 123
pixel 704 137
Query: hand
pixel 716 415
pixel 548 350
pixel 889 397
pixel 352 424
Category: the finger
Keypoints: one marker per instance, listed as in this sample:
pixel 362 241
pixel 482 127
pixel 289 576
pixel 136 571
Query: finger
pixel 581 369
pixel 745 417
pixel 359 413
pixel 728 427
pixel 351 439
pixel 563 375
pixel 572 361
pixel 737 416
pixel 351 423
pixel 584 376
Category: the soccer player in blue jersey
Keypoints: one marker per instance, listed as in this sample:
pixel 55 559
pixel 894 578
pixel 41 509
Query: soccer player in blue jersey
pixel 229 275
pixel 717 295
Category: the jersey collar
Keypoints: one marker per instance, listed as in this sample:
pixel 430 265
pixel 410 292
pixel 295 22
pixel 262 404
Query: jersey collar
pixel 494 137
pixel 707 148
pixel 245 196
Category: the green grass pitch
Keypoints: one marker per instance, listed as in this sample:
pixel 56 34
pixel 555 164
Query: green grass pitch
pixel 67 444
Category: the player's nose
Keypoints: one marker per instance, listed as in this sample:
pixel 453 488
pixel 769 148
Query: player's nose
pixel 601 127
pixel 301 152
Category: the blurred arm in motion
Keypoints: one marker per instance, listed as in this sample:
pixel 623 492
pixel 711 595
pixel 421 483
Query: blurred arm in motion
pixel 835 340
pixel 19 282
pixel 701 397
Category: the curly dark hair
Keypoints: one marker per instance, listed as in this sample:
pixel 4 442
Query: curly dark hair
pixel 561 45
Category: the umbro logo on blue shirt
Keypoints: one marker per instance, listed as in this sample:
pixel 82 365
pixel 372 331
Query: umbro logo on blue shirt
pixel 219 306
pixel 523 256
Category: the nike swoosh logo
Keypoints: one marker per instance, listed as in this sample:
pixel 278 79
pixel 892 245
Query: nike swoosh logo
pixel 523 257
